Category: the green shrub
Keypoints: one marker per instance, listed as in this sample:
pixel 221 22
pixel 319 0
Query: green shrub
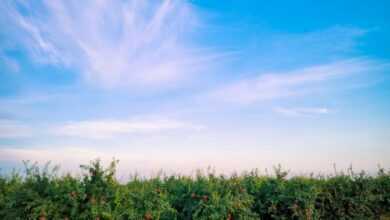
pixel 42 194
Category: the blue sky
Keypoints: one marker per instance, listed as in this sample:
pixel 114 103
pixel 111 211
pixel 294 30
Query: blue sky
pixel 181 85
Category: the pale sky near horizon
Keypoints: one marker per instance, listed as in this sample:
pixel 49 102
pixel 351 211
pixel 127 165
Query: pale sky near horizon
pixel 182 85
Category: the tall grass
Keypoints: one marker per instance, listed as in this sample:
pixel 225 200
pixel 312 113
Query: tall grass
pixel 42 194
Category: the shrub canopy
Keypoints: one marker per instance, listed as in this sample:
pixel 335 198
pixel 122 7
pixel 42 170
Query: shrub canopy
pixel 42 194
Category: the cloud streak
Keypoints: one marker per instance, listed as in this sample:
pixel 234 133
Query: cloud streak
pixel 277 85
pixel 114 43
pixel 302 111
pixel 95 129
pixel 99 129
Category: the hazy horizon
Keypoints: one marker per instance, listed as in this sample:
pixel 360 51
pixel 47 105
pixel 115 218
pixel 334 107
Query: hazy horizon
pixel 179 85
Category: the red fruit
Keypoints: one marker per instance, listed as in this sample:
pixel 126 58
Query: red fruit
pixel 148 216
pixel 92 200
pixel 42 215
pixel 73 194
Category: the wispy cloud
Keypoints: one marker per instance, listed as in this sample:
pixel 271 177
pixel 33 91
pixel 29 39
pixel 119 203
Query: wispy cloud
pixel 302 111
pixel 95 129
pixel 113 42
pixel 276 85
pixel 98 129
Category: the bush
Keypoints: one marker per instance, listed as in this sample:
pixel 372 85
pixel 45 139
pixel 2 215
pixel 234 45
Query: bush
pixel 42 194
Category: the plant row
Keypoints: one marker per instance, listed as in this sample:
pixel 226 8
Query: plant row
pixel 42 194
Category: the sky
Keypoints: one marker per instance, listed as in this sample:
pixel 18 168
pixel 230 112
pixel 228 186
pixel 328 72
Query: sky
pixel 183 85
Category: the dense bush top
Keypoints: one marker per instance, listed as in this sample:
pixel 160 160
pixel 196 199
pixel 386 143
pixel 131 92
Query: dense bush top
pixel 41 194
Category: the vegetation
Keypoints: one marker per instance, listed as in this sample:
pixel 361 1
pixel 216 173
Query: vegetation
pixel 42 194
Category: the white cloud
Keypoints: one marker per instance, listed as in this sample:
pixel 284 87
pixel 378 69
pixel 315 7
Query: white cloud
pixel 110 128
pixel 95 129
pixel 276 85
pixel 302 111
pixel 42 155
pixel 114 42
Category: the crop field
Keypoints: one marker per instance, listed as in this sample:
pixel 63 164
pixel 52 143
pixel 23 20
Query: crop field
pixel 40 193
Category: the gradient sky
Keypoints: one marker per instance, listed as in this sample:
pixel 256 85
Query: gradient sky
pixel 181 85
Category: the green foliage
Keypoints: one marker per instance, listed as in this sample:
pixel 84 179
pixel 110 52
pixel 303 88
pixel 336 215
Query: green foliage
pixel 96 194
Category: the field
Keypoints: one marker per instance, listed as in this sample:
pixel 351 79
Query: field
pixel 40 193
